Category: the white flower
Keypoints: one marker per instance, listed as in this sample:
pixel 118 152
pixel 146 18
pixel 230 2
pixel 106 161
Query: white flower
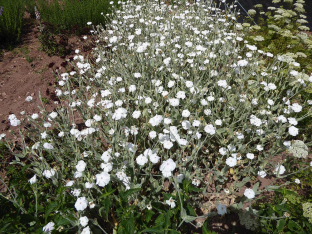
pixel 221 209
pixel 242 63
pixel 271 86
pixel 121 175
pixel 171 83
pixel 186 113
pixel 222 151
pixel 48 146
pixel 48 173
pixel 174 102
pixel 81 204
pixel 196 182
pixel 148 100
pixel 231 161
pixel 293 131
pixel 48 228
pixel 259 147
pixel 102 179
pixel 171 202
pixel 132 88
pixel 167 120
pixel 15 122
pixel 292 121
pixel 168 165
pixel 249 193
pixel 222 83
pixel 137 75
pixel 81 166
pixel 280 169
pixel 91 204
pixel 296 107
pixel 262 174
pixel 189 84
pixel 70 183
pixel 53 114
pixel 28 99
pixel 186 124
pixel 255 121
pixel 270 102
pixel 97 118
pixel 180 95
pixel 136 114
pixel 120 113
pixel 250 156
pixel 107 167
pixel 33 179
pixel 83 221
pixel 86 230
pixel 76 192
pixel 294 73
pixel 77 174
pixel 152 134
pixel 180 178
pixel 167 144
pixel 207 112
pixel 141 160
pixel 61 134
pixel 297 181
pixel 218 122
pixel 210 129
pixel 203 102
pixel 156 120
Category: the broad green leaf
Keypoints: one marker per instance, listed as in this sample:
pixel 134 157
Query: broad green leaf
pixel 157 229
pixel 167 219
pixel 60 221
pixel 128 225
pixel 148 215
pixel 280 224
pixel 51 207
pixel 190 210
pixel 255 187
pixel 205 229
pixel 125 195
pixel 107 194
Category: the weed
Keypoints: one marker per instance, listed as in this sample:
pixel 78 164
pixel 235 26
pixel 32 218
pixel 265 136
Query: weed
pixel 45 100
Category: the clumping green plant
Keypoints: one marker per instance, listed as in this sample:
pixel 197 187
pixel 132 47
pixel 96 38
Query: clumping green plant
pixel 11 23
pixel 287 212
pixel 180 105
pixel 74 13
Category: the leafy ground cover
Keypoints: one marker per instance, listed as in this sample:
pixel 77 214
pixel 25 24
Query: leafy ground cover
pixel 43 202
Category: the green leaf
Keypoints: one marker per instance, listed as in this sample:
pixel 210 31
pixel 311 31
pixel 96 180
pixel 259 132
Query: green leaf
pixel 160 219
pixel 60 221
pixel 280 224
pixel 106 205
pixel 125 195
pixel 128 225
pixel 190 210
pixel 171 231
pixel 205 229
pixel 107 194
pixel 293 226
pixel 255 187
pixel 167 219
pixel 51 207
pixel 194 189
pixel 157 229
pixel 148 215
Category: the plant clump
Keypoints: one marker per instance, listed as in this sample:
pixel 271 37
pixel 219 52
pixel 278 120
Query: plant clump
pixel 180 105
